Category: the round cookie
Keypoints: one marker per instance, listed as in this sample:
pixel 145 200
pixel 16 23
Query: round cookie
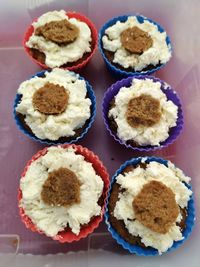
pixel 136 40
pixel 143 110
pixel 155 207
pixel 61 188
pixel 50 99
pixel 61 32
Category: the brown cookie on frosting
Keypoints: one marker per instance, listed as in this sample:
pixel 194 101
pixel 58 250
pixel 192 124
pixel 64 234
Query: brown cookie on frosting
pixel 61 32
pixel 155 207
pixel 143 110
pixel 136 40
pixel 50 99
pixel 62 188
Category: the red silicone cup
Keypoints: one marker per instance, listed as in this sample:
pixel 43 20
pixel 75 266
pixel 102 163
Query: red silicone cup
pixel 76 67
pixel 67 236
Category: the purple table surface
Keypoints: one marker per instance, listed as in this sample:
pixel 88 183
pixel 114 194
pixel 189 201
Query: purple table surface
pixel 182 73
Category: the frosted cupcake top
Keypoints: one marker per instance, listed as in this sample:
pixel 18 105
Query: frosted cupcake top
pixel 142 113
pixel 61 189
pixel 150 201
pixel 60 38
pixel 136 45
pixel 56 105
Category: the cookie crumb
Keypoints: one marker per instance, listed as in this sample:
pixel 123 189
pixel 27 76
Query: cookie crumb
pixel 155 207
pixel 61 32
pixel 62 188
pixel 51 99
pixel 143 111
pixel 15 242
pixel 136 40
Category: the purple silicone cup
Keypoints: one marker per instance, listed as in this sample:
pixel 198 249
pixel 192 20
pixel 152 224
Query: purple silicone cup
pixel 171 95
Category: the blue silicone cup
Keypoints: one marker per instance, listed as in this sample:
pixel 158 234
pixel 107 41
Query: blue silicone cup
pixel 174 132
pixel 113 69
pixel 136 249
pixel 92 97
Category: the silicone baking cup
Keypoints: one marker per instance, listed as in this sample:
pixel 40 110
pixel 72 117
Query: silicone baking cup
pixel 67 236
pixel 122 73
pixel 21 127
pixel 171 95
pixel 76 66
pixel 136 249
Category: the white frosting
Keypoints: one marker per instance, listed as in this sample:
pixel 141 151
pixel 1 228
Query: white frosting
pixel 59 55
pixel 52 220
pixel 143 135
pixel 53 127
pixel 158 52
pixel 133 182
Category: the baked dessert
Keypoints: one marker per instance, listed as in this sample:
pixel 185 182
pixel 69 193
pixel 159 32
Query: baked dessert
pixel 150 206
pixel 132 44
pixel 62 192
pixel 60 39
pixel 142 112
pixel 55 107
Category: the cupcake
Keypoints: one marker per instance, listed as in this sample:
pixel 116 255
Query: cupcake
pixel 62 192
pixel 60 39
pixel 150 206
pixel 134 45
pixel 55 107
pixel 142 113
